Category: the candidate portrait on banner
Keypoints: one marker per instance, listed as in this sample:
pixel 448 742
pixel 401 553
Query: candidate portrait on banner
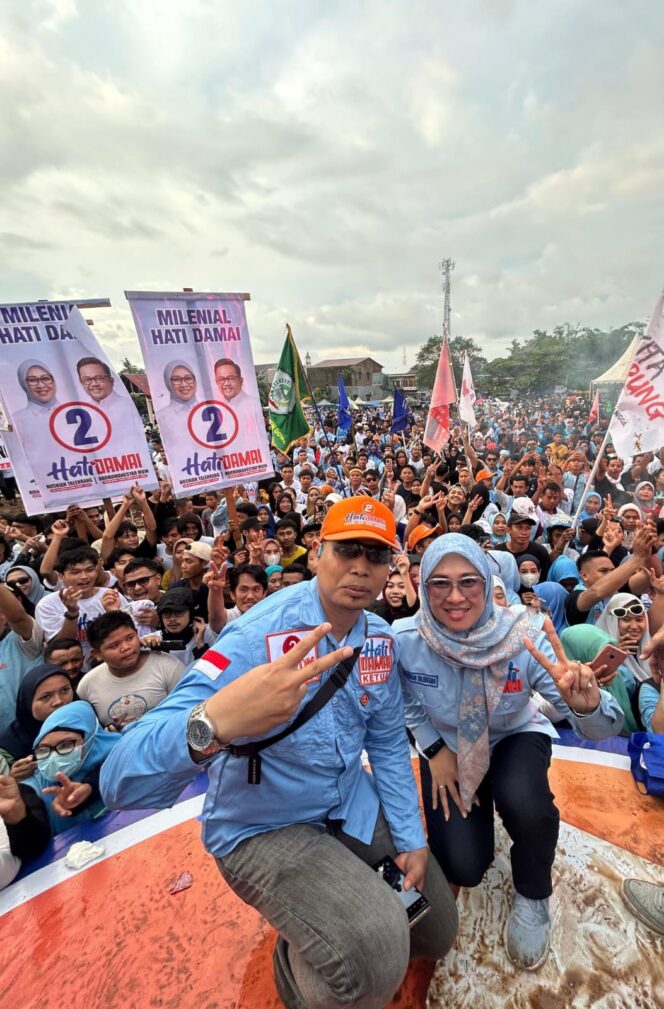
pixel 76 431
pixel 200 368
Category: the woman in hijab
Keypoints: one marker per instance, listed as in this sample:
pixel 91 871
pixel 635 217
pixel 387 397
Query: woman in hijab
pixel 38 384
pixel 482 741
pixel 180 381
pixel 553 596
pixel 498 525
pixel 629 514
pixel 583 642
pixel 43 689
pixel 69 751
pixel 504 565
pixel 591 505
pixel 624 620
pixel 26 581
pixel 565 572
pixel 644 495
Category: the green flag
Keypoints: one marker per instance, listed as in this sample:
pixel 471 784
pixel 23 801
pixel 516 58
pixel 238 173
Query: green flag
pixel 288 389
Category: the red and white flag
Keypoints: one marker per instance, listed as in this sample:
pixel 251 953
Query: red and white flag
pixel 636 425
pixel 594 409
pixel 468 397
pixel 437 431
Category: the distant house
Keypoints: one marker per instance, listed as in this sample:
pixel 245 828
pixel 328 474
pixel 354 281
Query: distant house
pixel 406 380
pixel 138 382
pixel 362 376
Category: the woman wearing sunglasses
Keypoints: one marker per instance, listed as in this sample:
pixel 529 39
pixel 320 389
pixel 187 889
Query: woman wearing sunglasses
pixel 468 668
pixel 27 582
pixel 624 619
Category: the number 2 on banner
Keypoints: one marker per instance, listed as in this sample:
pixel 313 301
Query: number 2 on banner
pixel 214 433
pixel 80 427
pixel 82 418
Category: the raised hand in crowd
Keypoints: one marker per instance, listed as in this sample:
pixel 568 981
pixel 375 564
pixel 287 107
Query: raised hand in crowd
pixel 71 597
pixel 198 628
pixel 575 681
pixel 68 794
pixel 23 768
pixel 111 600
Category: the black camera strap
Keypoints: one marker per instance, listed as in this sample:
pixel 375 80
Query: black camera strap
pixel 335 681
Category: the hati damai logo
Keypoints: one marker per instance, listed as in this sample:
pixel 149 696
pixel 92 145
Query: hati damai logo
pixel 282 393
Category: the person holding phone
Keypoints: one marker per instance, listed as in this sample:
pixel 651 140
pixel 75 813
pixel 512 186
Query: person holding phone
pixel 590 644
pixel 468 669
pixel 294 821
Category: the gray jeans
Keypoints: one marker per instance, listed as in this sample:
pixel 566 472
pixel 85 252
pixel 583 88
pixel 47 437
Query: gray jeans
pixel 344 937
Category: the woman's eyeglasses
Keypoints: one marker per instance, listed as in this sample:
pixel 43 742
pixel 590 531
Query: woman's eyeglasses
pixel 468 585
pixel 634 609
pixel 64 747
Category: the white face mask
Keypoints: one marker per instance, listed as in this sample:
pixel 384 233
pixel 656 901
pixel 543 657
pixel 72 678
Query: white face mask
pixel 528 580
pixel 272 559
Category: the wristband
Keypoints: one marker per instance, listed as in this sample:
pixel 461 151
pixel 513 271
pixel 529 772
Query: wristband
pixel 586 714
pixel 72 616
pixel 431 751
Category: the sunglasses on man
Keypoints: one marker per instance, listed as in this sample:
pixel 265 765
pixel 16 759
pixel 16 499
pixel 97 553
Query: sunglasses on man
pixel 350 551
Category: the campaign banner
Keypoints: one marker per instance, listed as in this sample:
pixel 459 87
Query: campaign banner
pixel 70 414
pixel 636 425
pixel 201 374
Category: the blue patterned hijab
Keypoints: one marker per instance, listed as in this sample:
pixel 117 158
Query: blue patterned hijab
pixel 481 655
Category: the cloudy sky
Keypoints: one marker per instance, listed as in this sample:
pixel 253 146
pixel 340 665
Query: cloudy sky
pixel 326 155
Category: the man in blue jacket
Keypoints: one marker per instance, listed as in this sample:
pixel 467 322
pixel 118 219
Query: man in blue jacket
pixel 297 827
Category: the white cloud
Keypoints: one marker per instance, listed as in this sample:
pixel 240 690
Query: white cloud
pixel 327 162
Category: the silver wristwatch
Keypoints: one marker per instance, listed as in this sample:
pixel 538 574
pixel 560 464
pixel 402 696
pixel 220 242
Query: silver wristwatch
pixel 200 732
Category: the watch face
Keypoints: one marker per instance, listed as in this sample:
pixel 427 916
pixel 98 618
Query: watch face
pixel 199 734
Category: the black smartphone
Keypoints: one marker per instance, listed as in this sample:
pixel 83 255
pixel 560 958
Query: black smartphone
pixel 415 903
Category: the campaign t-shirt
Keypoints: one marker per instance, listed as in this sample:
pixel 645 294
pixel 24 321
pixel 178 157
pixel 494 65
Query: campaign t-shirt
pixel 50 615
pixel 119 700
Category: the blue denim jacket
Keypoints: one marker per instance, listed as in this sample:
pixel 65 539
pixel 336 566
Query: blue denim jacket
pixel 314 774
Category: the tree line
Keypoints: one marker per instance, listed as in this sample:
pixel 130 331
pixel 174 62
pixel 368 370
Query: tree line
pixel 569 356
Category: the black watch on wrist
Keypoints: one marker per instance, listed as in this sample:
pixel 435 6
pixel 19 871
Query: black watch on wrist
pixel 432 750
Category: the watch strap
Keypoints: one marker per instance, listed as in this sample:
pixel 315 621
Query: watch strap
pixel 433 749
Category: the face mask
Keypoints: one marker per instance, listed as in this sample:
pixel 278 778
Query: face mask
pixel 272 559
pixel 56 762
pixel 529 580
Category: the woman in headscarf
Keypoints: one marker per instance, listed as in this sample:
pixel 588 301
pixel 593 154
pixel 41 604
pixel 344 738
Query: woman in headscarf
pixel 498 525
pixel 591 505
pixel 38 384
pixel 504 564
pixel 624 619
pixel 629 514
pixel 69 751
pixel 584 642
pixel 482 741
pixel 553 596
pixel 42 690
pixel 644 495
pixel 565 572
pixel 181 383
pixel 26 581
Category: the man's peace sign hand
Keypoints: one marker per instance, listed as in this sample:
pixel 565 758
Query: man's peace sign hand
pixel 575 681
pixel 270 694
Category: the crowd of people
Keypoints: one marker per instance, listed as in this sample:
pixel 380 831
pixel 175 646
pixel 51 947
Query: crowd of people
pixel 509 595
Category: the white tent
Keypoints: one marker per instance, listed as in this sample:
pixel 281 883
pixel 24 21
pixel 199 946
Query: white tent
pixel 617 373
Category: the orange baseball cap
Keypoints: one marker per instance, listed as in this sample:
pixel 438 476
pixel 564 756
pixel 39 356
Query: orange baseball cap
pixel 420 533
pixel 360 518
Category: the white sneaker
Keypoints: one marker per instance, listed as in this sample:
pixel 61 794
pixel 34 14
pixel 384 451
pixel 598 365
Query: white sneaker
pixel 646 902
pixel 527 932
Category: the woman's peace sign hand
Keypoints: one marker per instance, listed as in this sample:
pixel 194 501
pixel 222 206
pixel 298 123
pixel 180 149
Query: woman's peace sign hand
pixel 576 682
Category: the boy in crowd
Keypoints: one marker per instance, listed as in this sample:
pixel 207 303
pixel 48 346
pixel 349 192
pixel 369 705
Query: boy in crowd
pixel 68 654
pixel 129 681
pixel 67 613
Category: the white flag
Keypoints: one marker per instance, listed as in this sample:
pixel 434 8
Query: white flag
pixel 467 397
pixel 636 425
